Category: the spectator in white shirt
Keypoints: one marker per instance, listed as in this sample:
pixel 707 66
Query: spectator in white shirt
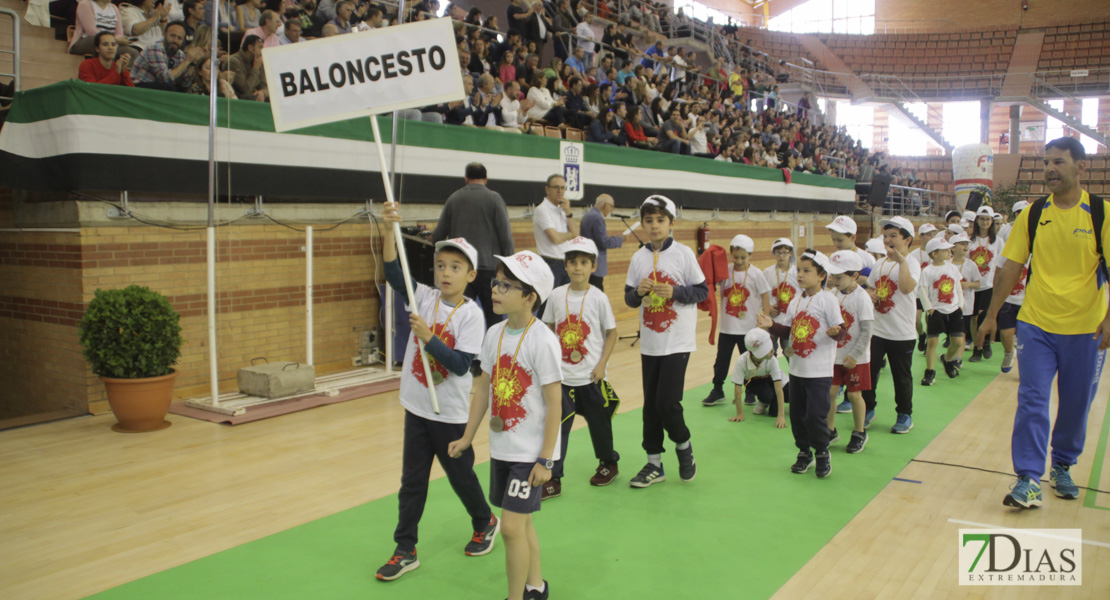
pixel 292 33
pixel 144 22
pixel 587 38
pixel 511 108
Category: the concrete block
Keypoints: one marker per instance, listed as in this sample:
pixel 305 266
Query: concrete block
pixel 277 379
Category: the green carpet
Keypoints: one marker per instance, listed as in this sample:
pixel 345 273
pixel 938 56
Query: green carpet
pixel 743 527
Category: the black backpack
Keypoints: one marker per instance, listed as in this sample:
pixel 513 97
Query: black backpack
pixel 1098 216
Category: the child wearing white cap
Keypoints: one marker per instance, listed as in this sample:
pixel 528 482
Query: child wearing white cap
pixel 969 282
pixel 843 233
pixel 1008 315
pixel 582 319
pixel 876 248
pixel 893 290
pixel 744 294
pixel 986 246
pixel 783 279
pixel 665 282
pixel 521 386
pixel 815 328
pixel 1015 210
pixel 925 233
pixel 454 336
pixel 758 376
pixel 852 368
pixel 941 294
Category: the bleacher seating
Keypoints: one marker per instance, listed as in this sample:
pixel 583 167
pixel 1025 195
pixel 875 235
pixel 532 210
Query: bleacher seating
pixel 1079 46
pixel 779 45
pixel 1096 180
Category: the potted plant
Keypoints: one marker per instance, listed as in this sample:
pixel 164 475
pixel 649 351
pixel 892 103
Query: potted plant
pixel 132 338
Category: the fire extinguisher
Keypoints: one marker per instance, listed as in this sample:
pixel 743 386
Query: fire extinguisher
pixel 703 238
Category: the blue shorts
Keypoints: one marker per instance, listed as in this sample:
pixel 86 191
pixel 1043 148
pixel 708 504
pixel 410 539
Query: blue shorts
pixel 1007 316
pixel 509 488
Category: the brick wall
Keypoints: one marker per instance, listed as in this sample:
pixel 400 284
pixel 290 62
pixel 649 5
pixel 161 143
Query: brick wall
pixel 963 15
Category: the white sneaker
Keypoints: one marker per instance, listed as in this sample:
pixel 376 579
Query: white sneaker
pixel 1007 362
pixel 760 408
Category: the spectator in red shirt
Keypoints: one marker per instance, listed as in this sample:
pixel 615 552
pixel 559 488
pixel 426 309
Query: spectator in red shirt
pixel 104 67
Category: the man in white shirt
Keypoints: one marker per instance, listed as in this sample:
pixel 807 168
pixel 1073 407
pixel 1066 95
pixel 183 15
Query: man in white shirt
pixel 292 33
pixel 553 226
pixel 587 38
pixel 511 108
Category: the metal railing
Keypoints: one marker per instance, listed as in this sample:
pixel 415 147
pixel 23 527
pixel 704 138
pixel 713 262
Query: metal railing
pixel 948 87
pixel 916 202
pixel 14 52
pixel 1065 83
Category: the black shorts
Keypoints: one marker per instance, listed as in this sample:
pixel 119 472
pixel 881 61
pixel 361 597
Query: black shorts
pixel 1007 316
pixel 919 307
pixel 509 488
pixel 952 323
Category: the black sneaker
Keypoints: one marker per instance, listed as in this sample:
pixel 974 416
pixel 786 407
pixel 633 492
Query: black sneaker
pixel 687 468
pixel 648 475
pixel 714 398
pixel 482 541
pixel 824 465
pixel 804 462
pixel 947 341
pixel 950 368
pixel 987 353
pixel 930 377
pixel 976 355
pixel 538 594
pixel 921 341
pixel 400 563
pixel 834 436
pixel 858 441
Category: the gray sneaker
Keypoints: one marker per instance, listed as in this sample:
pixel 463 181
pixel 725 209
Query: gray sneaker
pixel 1062 482
pixel 1007 362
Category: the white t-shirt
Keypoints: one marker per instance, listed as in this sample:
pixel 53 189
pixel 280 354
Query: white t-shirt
pixel 581 341
pixel 968 272
pixel 666 326
pixel 855 308
pixel 920 258
pixel 1017 296
pixel 741 300
pixel 984 253
pixel 896 309
pixel 516 396
pixel 464 332
pixel 940 288
pixel 746 370
pixel 865 256
pixel 1004 231
pixel 549 216
pixel 784 287
pixel 810 319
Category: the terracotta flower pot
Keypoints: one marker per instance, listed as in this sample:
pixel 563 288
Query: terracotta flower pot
pixel 140 404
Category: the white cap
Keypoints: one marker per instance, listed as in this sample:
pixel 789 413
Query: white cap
pixel 846 261
pixel 875 246
pixel 759 343
pixel 937 243
pixel 956 229
pixel 970 216
pixel 823 262
pixel 926 228
pixel 663 201
pixel 900 222
pixel 782 242
pixel 997 216
pixel 581 244
pixel 985 210
pixel 744 242
pixel 463 246
pixel 1019 206
pixel 960 238
pixel 528 267
pixel 965 223
pixel 843 224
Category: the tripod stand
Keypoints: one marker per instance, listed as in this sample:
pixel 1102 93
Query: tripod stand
pixel 636 336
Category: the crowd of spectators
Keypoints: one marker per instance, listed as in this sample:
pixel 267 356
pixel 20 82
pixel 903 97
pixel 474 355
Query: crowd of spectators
pixel 661 97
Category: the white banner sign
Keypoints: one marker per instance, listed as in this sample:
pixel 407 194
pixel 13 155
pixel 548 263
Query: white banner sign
pixel 571 155
pixel 361 74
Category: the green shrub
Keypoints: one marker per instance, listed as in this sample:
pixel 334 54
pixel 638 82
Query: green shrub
pixel 131 333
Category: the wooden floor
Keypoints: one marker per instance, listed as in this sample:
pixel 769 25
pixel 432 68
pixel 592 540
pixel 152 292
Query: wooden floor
pixel 83 509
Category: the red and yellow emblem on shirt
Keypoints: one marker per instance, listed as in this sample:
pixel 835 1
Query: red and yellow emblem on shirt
pixel 509 385
pixel 847 326
pixel 736 300
pixel 982 257
pixel 572 339
pixel 784 294
pixel 803 330
pixel 1019 287
pixel 885 288
pixel 439 372
pixel 946 289
pixel 660 314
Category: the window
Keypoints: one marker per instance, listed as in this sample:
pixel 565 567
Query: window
pixel 1089 117
pixel 859 121
pixel 961 123
pixel 699 11
pixel 1055 128
pixel 906 139
pixel 827 16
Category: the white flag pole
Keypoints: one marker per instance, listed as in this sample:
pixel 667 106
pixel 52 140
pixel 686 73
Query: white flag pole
pixel 402 256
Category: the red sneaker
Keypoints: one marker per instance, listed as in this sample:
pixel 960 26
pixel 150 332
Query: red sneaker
pixel 551 489
pixel 605 474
